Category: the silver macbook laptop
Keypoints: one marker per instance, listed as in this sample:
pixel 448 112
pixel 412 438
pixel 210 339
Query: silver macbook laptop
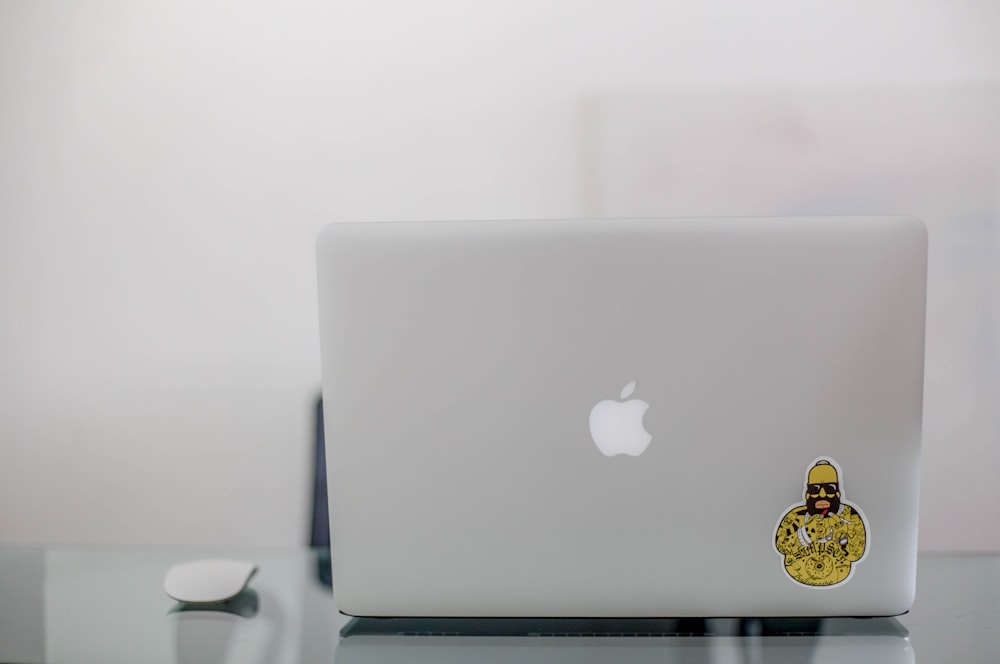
pixel 623 418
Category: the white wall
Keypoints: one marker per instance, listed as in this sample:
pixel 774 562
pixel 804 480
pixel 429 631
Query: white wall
pixel 164 168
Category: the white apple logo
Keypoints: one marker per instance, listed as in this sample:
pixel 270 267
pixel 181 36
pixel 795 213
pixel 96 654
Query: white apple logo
pixel 616 426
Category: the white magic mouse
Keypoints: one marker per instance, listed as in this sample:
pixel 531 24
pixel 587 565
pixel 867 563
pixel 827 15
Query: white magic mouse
pixel 205 581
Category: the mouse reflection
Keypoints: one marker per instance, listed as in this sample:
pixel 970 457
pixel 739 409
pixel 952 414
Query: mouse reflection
pixel 204 632
pixel 245 605
pixel 551 641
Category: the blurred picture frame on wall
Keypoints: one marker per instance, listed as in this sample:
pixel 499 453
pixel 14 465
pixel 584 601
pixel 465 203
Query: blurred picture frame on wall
pixel 932 151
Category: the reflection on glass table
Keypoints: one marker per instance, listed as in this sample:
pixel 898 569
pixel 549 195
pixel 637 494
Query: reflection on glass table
pixel 204 632
pixel 76 606
pixel 416 641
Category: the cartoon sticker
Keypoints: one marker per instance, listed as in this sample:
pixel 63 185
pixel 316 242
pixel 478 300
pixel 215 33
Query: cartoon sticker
pixel 824 538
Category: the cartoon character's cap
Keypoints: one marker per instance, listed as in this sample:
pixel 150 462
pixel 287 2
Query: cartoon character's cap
pixel 822 473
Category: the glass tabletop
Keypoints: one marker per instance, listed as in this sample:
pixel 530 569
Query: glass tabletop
pixel 71 606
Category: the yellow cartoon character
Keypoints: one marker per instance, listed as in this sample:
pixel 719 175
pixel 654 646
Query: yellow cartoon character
pixel 822 539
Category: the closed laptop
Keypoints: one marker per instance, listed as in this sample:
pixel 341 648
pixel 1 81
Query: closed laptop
pixel 623 418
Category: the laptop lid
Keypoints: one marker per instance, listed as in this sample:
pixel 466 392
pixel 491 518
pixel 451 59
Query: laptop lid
pixel 688 417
